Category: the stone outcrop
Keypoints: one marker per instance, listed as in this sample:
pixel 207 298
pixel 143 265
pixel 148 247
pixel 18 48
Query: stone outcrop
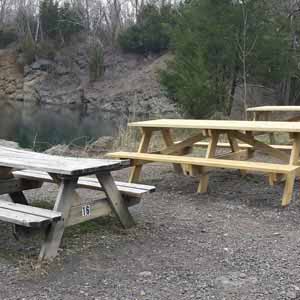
pixel 10 144
pixel 130 87
pixel 11 77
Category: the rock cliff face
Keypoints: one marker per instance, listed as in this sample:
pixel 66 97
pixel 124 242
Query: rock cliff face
pixel 129 85
pixel 11 77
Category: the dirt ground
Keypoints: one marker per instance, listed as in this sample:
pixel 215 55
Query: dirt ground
pixel 234 243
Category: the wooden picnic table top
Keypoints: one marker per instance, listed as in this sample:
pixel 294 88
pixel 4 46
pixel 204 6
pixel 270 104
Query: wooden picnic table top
pixel 70 166
pixel 270 108
pixel 264 126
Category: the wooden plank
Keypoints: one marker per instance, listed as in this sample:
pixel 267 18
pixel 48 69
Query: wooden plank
pixel 72 166
pixel 98 208
pixel 208 162
pixel 264 126
pixel 130 189
pixel 32 210
pixel 55 231
pixel 143 147
pixel 13 185
pixel 23 219
pixel 271 108
pixel 115 199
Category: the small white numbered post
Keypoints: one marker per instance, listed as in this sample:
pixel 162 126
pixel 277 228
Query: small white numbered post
pixel 86 210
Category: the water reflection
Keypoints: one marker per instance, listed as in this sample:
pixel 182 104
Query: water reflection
pixel 44 126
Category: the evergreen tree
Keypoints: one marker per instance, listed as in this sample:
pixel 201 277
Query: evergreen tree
pixel 213 42
pixel 49 16
pixel 151 33
pixel 69 21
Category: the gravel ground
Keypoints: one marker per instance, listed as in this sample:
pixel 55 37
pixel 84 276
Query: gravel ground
pixel 235 242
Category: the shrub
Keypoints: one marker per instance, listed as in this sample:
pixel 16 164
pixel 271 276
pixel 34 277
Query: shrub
pixel 151 33
pixel 28 48
pixel 49 16
pixel 96 61
pixel 208 65
pixel 69 22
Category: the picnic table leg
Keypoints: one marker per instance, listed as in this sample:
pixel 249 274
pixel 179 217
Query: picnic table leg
pixel 55 231
pixel 210 152
pixel 115 199
pixel 166 133
pixel 143 147
pixel 290 178
pixel 288 189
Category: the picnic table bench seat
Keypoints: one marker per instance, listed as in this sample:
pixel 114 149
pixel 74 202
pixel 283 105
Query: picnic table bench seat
pixel 197 166
pixel 127 189
pixel 25 215
pixel 206 162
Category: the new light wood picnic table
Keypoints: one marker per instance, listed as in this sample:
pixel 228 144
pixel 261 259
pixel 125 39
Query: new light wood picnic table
pixel 212 130
pixel 68 173
pixel 265 113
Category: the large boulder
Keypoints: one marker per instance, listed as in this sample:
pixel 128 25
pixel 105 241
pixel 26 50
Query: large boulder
pixel 11 77
pixel 10 144
pixel 102 145
pixel 97 148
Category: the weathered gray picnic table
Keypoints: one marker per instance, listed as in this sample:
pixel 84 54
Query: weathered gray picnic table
pixel 22 170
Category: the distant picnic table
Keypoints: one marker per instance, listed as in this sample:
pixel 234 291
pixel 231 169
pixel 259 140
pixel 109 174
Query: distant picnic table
pixel 265 113
pixel 237 158
pixel 22 170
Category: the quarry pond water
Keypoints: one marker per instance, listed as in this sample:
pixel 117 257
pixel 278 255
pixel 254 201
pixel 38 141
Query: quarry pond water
pixel 40 127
